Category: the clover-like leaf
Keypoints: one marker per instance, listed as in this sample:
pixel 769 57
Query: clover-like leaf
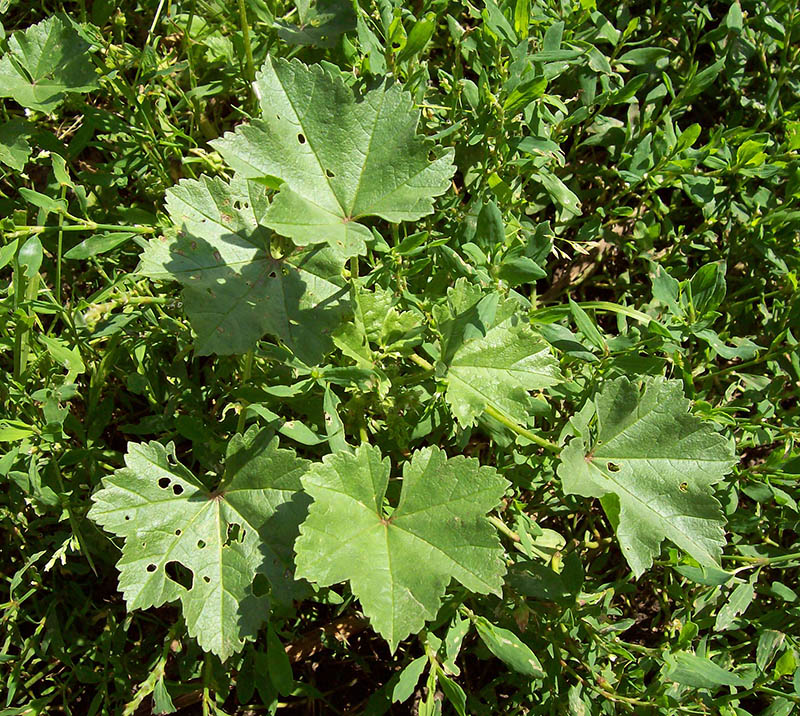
pixel 45 62
pixel 235 291
pixel 399 562
pixel 653 465
pixel 340 156
pixel 205 548
pixel 498 370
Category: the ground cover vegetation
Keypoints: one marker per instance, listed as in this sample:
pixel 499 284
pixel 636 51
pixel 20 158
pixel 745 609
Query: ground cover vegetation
pixel 430 357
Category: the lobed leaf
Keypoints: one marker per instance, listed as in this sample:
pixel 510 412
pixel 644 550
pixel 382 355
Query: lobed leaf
pixel 235 291
pixel 653 465
pixel 340 156
pixel 45 62
pixel 400 564
pixel 172 523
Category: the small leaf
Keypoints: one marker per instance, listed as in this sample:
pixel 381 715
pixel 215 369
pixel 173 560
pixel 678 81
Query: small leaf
pixel 699 672
pixel 505 645
pixel 14 147
pixel 400 564
pixel 97 244
pixel 454 693
pixel 738 601
pixel 408 680
pixel 653 463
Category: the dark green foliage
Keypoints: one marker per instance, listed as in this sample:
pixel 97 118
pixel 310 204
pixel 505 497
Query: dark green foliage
pixel 591 293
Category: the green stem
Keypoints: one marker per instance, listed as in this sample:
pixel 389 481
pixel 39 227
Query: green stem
pixel 421 362
pixel 504 528
pixel 60 248
pixel 246 373
pixel 85 226
pixel 522 432
pixel 762 561
pixel 248 50
pixel 769 355
pixel 498 416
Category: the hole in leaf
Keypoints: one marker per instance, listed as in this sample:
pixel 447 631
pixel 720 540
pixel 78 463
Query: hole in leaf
pixel 206 579
pixel 235 534
pixel 272 274
pixel 260 585
pixel 301 138
pixel 178 533
pixel 163 483
pixel 329 174
pixel 613 467
pixel 200 544
pixel 151 568
pixel 177 489
pixel 127 517
pixel 179 574
pixel 684 486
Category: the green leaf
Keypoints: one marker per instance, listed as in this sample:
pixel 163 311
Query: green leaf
pixel 653 463
pixel 97 244
pixel 454 693
pixel 399 563
pixel 408 680
pixel 505 645
pixel 45 62
pixel 14 147
pixel 499 369
pixel 369 162
pixel 699 672
pixel 171 523
pixel 234 290
pixel 322 26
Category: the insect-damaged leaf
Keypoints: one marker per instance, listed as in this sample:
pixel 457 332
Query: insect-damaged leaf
pixel 400 563
pixel 340 155
pixel 234 290
pixel 205 548
pixel 653 465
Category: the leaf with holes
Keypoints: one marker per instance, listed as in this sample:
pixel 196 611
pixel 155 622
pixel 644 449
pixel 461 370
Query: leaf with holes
pixel 235 289
pixel 338 155
pixel 498 370
pixel 202 547
pixel 652 464
pixel 45 62
pixel 399 562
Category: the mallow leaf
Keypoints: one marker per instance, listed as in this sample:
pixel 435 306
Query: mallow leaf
pixel 45 62
pixel 202 547
pixel 399 562
pixel 498 370
pixel 652 464
pixel 338 155
pixel 235 290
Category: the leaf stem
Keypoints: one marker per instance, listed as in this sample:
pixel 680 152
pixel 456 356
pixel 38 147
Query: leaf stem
pixel 515 427
pixel 499 416
pixel 246 373
pixel 248 49
pixel 84 226
pixel 504 528
pixel 421 362
pixel 762 561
